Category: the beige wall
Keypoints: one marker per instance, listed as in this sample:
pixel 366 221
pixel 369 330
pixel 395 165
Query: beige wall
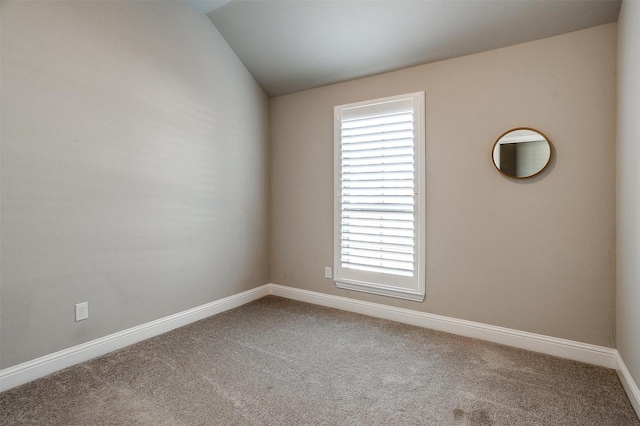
pixel 134 170
pixel 534 255
pixel 628 189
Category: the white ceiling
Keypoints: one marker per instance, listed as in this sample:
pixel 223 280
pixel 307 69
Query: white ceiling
pixel 290 46
pixel 206 6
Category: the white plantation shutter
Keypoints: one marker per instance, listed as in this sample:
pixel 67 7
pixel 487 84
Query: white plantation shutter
pixel 379 180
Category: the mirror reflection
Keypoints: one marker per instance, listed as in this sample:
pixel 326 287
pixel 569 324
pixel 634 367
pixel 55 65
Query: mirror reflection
pixel 521 153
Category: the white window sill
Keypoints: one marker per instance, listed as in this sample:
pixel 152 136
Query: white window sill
pixel 366 287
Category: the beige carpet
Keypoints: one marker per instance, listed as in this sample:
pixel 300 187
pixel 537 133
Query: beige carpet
pixel 276 361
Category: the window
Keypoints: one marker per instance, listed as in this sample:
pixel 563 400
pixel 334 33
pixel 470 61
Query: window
pixel 379 221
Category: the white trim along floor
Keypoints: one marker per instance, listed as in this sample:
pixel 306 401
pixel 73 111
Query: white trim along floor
pixel 592 354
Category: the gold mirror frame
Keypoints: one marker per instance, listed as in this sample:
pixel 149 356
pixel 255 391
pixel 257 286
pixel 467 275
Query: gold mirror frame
pixel 535 165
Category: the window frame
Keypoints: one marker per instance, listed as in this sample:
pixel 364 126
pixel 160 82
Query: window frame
pixel 380 283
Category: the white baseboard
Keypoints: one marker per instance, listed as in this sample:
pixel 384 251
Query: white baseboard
pixel 628 383
pixel 40 367
pixel 563 348
pixel 569 349
pixel 598 355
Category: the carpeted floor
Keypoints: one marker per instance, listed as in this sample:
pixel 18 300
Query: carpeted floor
pixel 276 361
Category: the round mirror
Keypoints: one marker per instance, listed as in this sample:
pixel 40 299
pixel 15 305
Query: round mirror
pixel 521 153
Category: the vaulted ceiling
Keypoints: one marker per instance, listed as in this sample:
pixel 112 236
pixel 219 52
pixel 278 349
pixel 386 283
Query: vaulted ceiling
pixel 290 46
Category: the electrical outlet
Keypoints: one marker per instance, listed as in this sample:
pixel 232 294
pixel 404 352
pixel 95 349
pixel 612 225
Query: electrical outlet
pixel 327 272
pixel 82 311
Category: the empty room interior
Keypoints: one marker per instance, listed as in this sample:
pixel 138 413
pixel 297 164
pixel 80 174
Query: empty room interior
pixel 320 212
